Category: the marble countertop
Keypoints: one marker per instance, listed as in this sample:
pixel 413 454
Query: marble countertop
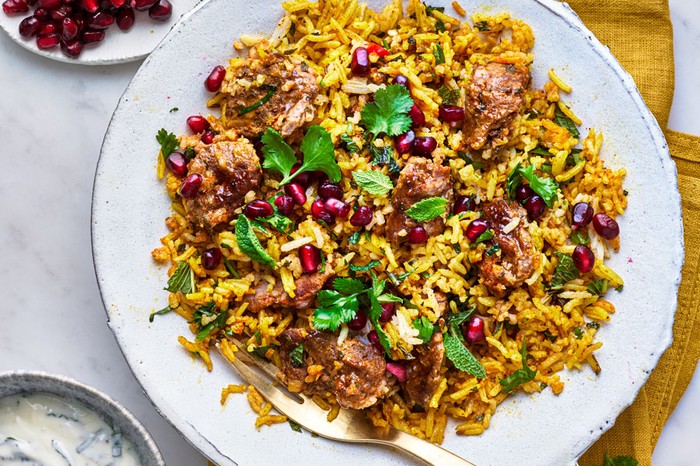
pixel 54 116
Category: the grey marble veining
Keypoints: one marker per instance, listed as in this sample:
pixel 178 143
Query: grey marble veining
pixel 53 118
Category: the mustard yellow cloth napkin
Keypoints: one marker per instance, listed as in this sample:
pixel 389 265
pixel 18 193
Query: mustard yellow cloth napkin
pixel 640 35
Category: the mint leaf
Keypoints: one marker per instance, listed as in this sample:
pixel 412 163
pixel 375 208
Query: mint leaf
pixel 598 287
pixel 579 237
pixel 460 356
pixel 449 96
pixel 564 272
pixel 348 286
pixel 427 209
pixel 350 145
pixel 182 279
pixel 384 156
pixel 278 155
pixel 249 244
pixel 565 122
pixel 297 356
pixel 520 376
pixel 620 461
pixel 389 112
pixel 425 328
pixel 168 142
pixel 374 182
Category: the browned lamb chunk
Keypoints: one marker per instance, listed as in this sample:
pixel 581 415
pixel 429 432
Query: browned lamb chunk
pixel 423 373
pixel 304 295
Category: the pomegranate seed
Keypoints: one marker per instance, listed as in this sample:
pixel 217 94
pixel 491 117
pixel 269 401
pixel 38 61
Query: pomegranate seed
pixel 374 339
pixel 90 37
pixel 91 6
pixel 328 189
pixel 48 28
pixel 197 123
pixel 535 207
pixel 523 192
pixel 583 257
pixel 177 164
pixel 29 26
pixel 359 64
pixel 476 228
pixel 581 216
pixel 142 5
pixel 61 13
pixel 397 370
pixel 100 20
pixel 605 226
pixel 303 179
pixel 41 14
pixel 258 208
pixel 388 311
pixel 417 235
pixel 48 41
pixel 424 145
pixel 161 11
pixel 417 116
pixel 72 48
pixel 284 204
pixel 208 137
pixel 11 7
pixel 215 78
pixel 319 212
pixel 463 204
pixel 451 113
pixel 404 142
pixel 310 258
pixel 190 187
pixel 403 80
pixel 475 330
pixel 125 18
pixel 117 3
pixel 211 258
pixel 296 191
pixel 70 29
pixel 50 4
pixel 362 217
pixel 359 322
pixel 337 208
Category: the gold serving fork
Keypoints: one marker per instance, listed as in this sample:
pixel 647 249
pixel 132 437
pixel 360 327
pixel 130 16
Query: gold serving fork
pixel 349 426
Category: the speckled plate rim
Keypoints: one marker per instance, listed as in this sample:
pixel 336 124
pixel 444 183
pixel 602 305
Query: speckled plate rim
pixel 664 335
pixel 22 381
pixel 118 47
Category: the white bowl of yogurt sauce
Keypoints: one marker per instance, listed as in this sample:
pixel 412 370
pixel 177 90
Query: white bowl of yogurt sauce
pixel 48 420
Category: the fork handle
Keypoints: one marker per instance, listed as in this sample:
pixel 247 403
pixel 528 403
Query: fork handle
pixel 426 451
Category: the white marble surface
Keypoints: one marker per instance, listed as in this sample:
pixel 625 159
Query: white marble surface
pixel 53 116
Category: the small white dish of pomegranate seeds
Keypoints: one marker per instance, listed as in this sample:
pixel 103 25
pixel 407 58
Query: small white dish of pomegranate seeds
pixel 91 32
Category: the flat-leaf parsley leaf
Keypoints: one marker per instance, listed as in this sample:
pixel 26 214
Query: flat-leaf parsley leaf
pixel 168 142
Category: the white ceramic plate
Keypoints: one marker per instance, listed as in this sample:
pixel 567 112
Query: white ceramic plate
pixel 130 205
pixel 117 47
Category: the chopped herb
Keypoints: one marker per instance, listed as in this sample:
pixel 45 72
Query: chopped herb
pixel 168 142
pixel 594 325
pixel 165 310
pixel 579 237
pixel 449 96
pixel 249 244
pixel 355 238
pixel 461 317
pixel 189 153
pixel 289 51
pixel 466 158
pixel 230 269
pixel 182 279
pixel 224 246
pixel 425 328
pixel 384 156
pixel 578 333
pixel 270 92
pixel 258 336
pixel 297 356
pixel 546 168
pixel 564 272
pixel 440 25
pixel 598 287
pixel 388 113
pixel 620 461
pixel 429 9
pixel 492 250
pixel 547 188
pixel 398 279
pixel 619 288
pixel 208 310
pixel 323 263
pixel 457 247
pixel 485 236
pixel 279 222
pixel 543 151
pixel 565 122
pixel 439 54
pixel 374 182
pixel 174 109
pixel 480 417
pixel 261 351
pixel 482 26
pixel 350 145
pixel 520 376
pixel 293 425
pixel 427 209
pixel 364 268
pixel 549 336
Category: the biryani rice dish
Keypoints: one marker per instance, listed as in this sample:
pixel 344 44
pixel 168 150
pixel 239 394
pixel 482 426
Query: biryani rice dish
pixel 382 205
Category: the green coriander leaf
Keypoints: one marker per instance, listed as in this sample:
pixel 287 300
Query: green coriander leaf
pixel 578 333
pixel 389 298
pixel 249 244
pixel 439 54
pixel 348 286
pixel 363 268
pixel 279 222
pixel 598 287
pixel 217 324
pixel 620 461
pixel 168 142
pixel 449 96
pixel 460 356
pixel 492 250
pixel 319 154
pixel 520 376
pixel 182 279
pixel 384 156
pixel 350 145
pixel 470 161
pixel 270 92
pixel 566 122
pixel 293 425
pixel 396 280
pixel 375 309
pixel 165 310
pixel 579 237
pixel 207 310
pixel 547 188
pixel 374 182
pixel 546 168
pixel 540 150
pixel 427 209
pixel 334 309
pixel 278 155
pixel 383 338
pixel 485 236
pixel 297 356
pixel 389 112
pixel 564 272
pixel 355 238
pixel 261 351
pixel 425 328
pixel 513 181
